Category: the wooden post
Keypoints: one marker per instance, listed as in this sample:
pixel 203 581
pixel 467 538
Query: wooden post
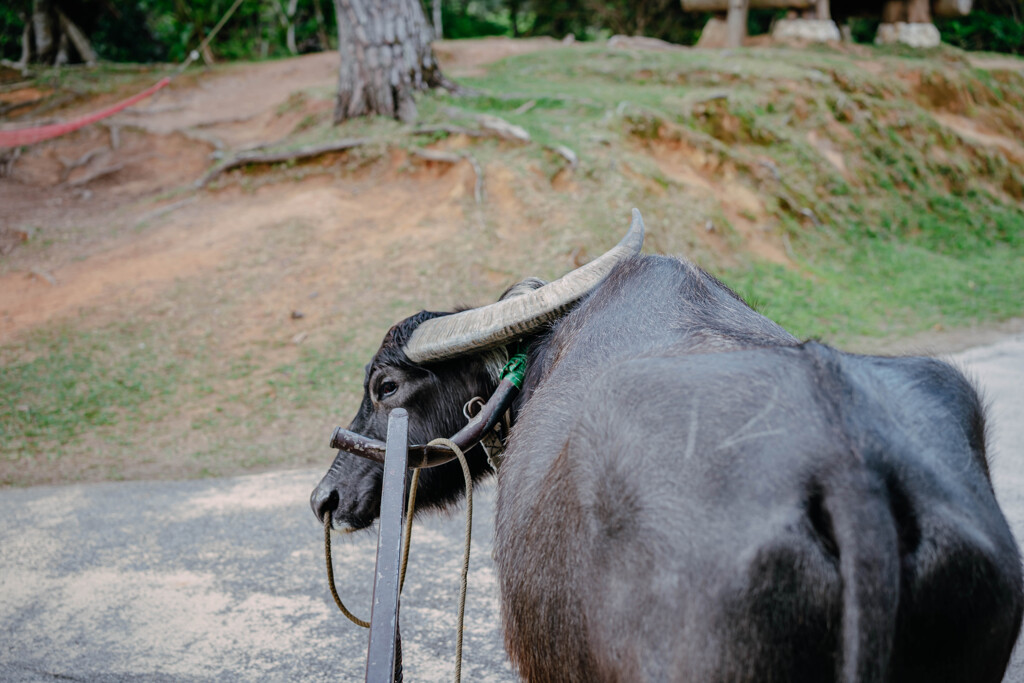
pixel 919 12
pixel 951 8
pixel 894 11
pixel 736 23
pixel 824 10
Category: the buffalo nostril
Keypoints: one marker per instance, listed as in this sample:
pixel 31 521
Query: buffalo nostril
pixel 323 502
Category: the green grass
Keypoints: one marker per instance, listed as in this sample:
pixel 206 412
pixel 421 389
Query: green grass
pixel 887 288
pixel 76 382
pixel 924 228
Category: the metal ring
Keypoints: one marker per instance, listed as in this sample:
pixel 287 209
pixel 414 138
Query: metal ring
pixel 467 409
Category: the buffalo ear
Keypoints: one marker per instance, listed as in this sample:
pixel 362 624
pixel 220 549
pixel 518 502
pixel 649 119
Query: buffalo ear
pixel 521 288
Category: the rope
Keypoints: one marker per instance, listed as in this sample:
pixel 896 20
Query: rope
pixel 406 539
pixel 31 135
pixel 330 576
pixel 464 580
pixel 407 536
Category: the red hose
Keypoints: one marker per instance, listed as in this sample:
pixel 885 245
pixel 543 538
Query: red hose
pixel 28 136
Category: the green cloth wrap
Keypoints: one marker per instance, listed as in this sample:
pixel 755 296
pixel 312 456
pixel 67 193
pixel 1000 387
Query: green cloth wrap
pixel 515 369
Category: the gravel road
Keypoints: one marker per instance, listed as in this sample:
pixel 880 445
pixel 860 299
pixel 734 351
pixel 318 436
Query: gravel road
pixel 223 579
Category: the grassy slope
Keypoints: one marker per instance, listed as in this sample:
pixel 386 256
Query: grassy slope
pixel 923 228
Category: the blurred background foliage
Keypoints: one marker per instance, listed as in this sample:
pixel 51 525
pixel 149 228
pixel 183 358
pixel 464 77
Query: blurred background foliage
pixel 165 30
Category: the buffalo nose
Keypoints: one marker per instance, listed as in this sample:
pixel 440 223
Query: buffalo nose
pixel 324 501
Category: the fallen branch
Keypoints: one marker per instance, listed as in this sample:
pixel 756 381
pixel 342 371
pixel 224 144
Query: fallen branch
pixel 503 128
pixel 565 153
pixel 449 158
pixel 259 157
pixel 98 173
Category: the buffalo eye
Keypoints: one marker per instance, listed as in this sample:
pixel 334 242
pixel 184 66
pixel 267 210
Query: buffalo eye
pixel 386 388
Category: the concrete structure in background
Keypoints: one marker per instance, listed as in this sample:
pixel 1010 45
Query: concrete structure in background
pixel 223 579
pixel 903 21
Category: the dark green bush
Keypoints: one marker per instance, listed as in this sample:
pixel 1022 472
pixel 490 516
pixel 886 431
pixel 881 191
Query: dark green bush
pixel 984 31
pixel 11 24
pixel 458 24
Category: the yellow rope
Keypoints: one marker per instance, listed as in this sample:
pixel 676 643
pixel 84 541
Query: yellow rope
pixel 464 581
pixel 407 537
pixel 330 575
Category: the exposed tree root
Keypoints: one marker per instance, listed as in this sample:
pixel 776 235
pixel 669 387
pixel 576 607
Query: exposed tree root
pixel 490 126
pixel 98 173
pixel 260 157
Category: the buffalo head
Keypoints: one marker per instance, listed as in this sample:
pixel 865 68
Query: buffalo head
pixel 432 364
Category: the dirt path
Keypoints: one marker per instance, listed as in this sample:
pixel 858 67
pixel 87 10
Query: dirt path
pixel 258 288
pixel 223 578
pixel 113 203
pixel 111 211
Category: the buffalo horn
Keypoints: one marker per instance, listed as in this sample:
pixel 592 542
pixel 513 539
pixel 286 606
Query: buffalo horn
pixel 496 324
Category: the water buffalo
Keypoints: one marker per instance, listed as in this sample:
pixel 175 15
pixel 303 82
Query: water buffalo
pixel 689 493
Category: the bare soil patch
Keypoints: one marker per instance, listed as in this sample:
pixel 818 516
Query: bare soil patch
pixel 251 278
pixel 976 132
pixel 462 58
pixel 704 175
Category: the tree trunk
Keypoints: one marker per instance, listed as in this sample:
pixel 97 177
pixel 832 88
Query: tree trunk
pixel 385 58
pixel 919 12
pixel 77 38
pixel 736 23
pixel 894 11
pixel 54 37
pixel 42 30
pixel 438 29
